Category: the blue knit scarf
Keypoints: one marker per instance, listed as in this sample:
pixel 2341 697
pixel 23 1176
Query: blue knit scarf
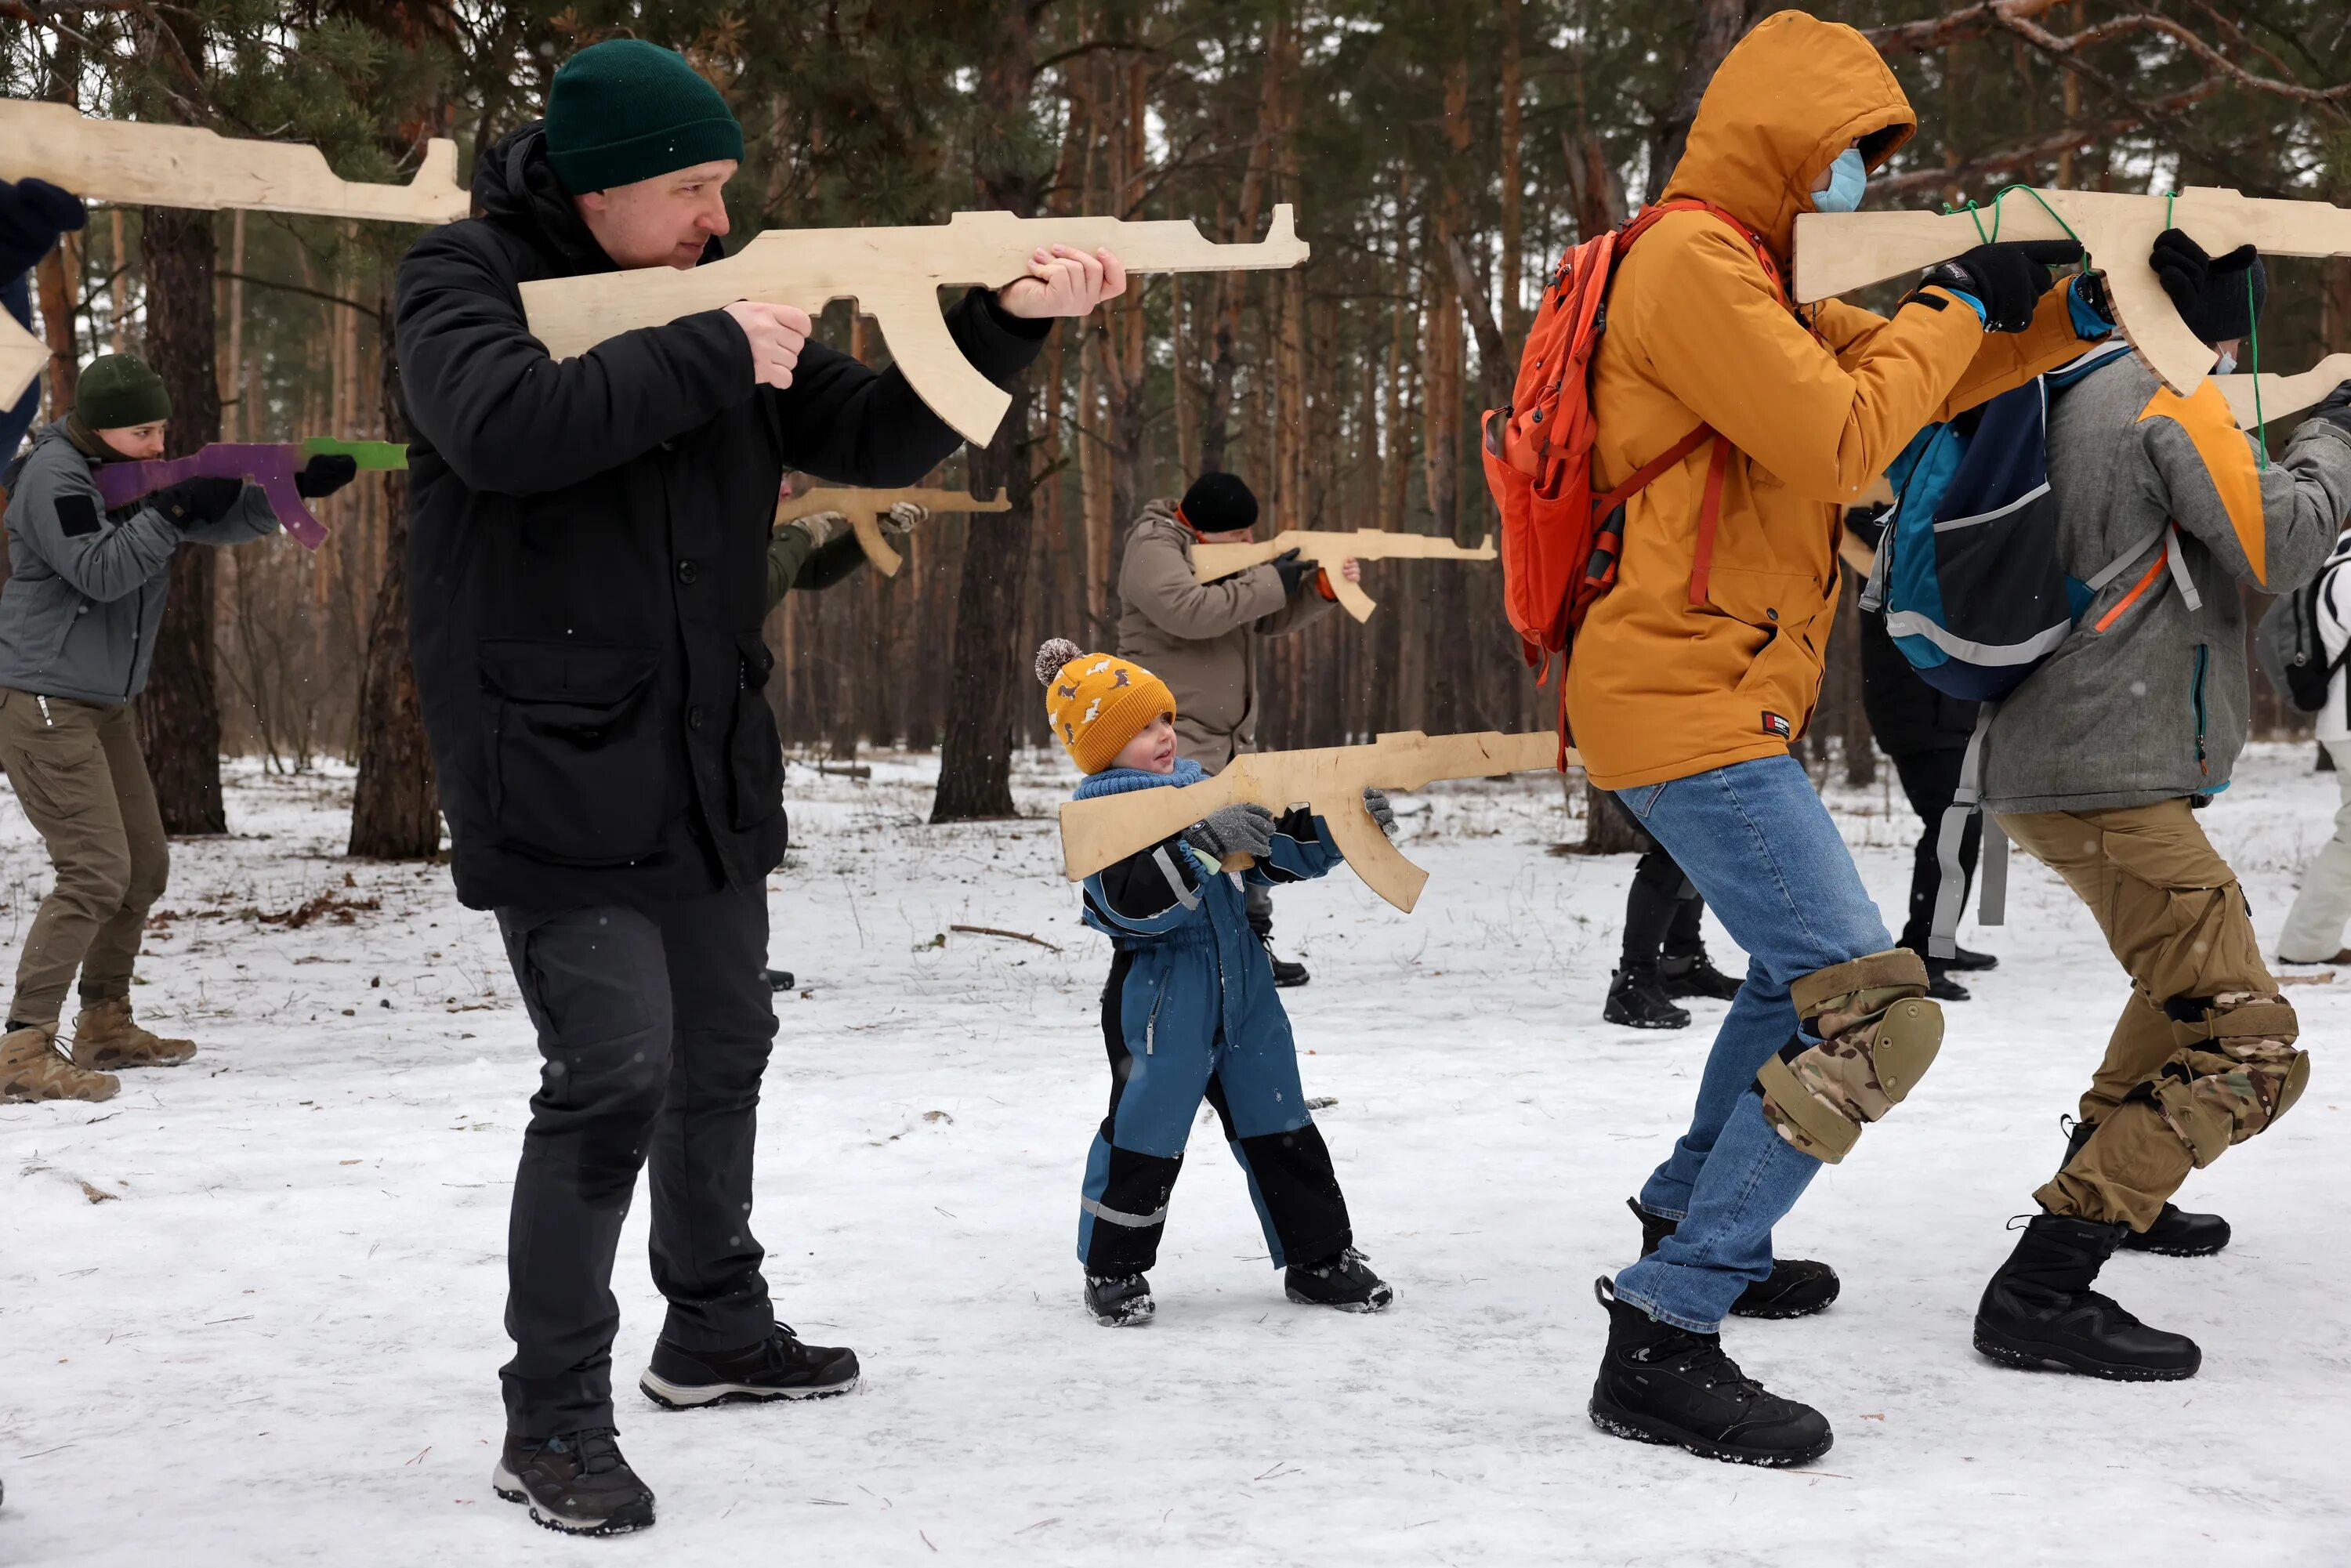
pixel 1120 780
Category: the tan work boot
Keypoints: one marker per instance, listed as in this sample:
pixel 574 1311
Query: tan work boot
pixel 32 1067
pixel 105 1037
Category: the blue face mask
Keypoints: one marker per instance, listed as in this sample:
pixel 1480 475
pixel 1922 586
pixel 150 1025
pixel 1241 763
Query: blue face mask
pixel 1848 177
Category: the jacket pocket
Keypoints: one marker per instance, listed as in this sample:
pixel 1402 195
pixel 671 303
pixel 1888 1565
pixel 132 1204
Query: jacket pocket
pixel 42 613
pixel 1786 607
pixel 577 763
pixel 755 754
pixel 2204 664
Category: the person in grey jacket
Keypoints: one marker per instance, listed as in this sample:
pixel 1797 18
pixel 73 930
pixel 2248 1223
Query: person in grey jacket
pixel 77 621
pixel 2095 764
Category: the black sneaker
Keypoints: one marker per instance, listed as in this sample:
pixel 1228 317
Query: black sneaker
pixel 1345 1281
pixel 1694 974
pixel 2038 1310
pixel 778 1367
pixel 1637 1000
pixel 1120 1301
pixel 1962 959
pixel 1659 1384
pixel 576 1483
pixel 1796 1287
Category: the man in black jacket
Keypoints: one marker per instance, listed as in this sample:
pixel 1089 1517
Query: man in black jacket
pixel 587 564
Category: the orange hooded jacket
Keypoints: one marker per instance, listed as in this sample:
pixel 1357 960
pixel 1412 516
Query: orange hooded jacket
pixel 1815 402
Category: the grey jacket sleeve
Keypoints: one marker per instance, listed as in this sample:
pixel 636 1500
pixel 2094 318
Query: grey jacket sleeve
pixel 251 519
pixel 1157 579
pixel 2300 498
pixel 58 514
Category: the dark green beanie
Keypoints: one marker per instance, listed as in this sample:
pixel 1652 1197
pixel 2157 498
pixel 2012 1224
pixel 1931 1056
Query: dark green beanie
pixel 624 110
pixel 118 390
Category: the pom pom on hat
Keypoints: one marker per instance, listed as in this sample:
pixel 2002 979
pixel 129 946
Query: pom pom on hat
pixel 1052 655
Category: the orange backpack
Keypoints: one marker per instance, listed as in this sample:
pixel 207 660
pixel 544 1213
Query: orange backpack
pixel 1561 542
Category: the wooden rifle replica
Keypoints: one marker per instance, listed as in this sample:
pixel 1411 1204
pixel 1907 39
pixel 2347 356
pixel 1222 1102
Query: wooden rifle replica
pixel 1837 252
pixel 895 276
pixel 1327 550
pixel 137 162
pixel 1107 829
pixel 271 466
pixel 866 508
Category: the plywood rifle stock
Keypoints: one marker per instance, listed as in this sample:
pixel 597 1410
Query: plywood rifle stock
pixel 137 162
pixel 866 508
pixel 895 276
pixel 1837 252
pixel 1327 550
pixel 1109 827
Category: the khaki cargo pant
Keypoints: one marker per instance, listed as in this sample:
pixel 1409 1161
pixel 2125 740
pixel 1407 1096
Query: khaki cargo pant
pixel 78 774
pixel 2173 914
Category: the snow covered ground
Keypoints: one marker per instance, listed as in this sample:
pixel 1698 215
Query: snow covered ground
pixel 276 1339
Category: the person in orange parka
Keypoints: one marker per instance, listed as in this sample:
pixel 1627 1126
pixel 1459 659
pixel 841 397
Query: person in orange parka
pixel 1691 678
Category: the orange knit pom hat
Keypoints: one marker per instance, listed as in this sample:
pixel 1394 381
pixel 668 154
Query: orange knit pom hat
pixel 1098 702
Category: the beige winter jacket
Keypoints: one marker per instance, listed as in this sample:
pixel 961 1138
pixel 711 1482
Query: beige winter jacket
pixel 1200 638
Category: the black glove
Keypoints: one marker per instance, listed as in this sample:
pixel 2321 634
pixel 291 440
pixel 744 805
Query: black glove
pixel 1293 571
pixel 326 473
pixel 1242 828
pixel 2009 278
pixel 2335 407
pixel 2211 293
pixel 33 213
pixel 194 503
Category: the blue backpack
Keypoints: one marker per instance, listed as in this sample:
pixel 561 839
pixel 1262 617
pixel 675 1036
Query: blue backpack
pixel 1974 595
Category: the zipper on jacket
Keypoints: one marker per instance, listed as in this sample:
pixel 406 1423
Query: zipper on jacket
pixel 2203 658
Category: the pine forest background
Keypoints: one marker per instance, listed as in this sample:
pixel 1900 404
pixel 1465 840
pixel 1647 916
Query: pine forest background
pixel 1439 159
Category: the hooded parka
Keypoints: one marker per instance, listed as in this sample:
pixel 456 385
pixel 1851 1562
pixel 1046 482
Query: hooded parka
pixel 1815 402
pixel 587 556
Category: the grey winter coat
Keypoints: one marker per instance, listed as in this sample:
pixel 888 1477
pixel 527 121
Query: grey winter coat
pixel 2148 699
pixel 1201 637
pixel 85 587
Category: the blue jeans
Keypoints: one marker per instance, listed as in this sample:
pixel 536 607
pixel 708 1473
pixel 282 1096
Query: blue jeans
pixel 1764 852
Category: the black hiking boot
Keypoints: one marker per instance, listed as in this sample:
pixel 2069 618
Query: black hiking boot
pixel 2175 1232
pixel 1637 1000
pixel 1940 983
pixel 1120 1301
pixel 576 1483
pixel 2038 1310
pixel 1964 960
pixel 1797 1288
pixel 1694 974
pixel 1285 973
pixel 1659 1384
pixel 779 979
pixel 1344 1281
pixel 778 1367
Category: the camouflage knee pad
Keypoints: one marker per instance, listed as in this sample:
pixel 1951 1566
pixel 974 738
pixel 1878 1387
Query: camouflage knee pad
pixel 1878 1034
pixel 2236 1072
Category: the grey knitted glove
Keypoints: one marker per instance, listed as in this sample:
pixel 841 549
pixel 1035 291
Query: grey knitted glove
pixel 1242 828
pixel 1375 802
pixel 821 528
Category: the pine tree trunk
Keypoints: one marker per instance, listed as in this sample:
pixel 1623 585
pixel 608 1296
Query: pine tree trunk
pixel 179 714
pixel 396 809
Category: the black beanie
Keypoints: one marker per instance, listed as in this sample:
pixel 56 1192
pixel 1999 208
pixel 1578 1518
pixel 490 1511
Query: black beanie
pixel 118 390
pixel 624 110
pixel 1218 503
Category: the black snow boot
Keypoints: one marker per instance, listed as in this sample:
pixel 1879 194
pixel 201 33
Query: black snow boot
pixel 1694 974
pixel 2175 1232
pixel 1798 1287
pixel 1285 973
pixel 779 979
pixel 2040 1311
pixel 1344 1281
pixel 1120 1301
pixel 578 1483
pixel 1940 983
pixel 778 1367
pixel 1637 999
pixel 1659 1384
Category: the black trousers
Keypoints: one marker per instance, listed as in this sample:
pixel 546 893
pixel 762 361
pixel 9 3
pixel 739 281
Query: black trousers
pixel 655 1024
pixel 1930 778
pixel 1662 912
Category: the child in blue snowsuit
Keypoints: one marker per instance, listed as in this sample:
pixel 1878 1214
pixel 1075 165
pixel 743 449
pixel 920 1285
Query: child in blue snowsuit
pixel 1190 1010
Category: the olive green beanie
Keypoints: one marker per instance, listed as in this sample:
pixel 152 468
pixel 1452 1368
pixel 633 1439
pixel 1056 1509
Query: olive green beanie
pixel 624 110
pixel 118 390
